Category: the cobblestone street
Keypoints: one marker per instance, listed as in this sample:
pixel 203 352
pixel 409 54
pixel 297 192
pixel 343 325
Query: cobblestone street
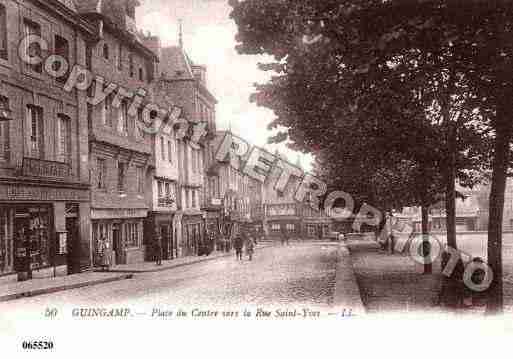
pixel 301 274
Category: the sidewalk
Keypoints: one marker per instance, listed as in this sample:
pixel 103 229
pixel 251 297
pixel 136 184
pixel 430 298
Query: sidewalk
pixel 35 287
pixel 393 283
pixel 150 267
pixel 347 296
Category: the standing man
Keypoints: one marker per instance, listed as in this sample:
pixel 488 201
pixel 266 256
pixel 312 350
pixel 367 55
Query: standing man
pixel 158 249
pixel 238 243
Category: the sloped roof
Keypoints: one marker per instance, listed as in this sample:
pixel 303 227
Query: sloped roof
pixel 175 64
pixel 69 4
pixel 88 6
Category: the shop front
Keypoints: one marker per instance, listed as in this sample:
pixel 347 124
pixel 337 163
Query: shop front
pixel 122 229
pixel 193 234
pixel 43 231
pixel 160 223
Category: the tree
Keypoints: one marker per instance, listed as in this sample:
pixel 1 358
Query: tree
pixel 459 49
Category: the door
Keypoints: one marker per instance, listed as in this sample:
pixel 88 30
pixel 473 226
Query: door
pixel 117 244
pixel 165 242
pixel 73 245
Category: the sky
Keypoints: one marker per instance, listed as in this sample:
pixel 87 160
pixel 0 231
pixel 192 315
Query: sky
pixel 209 39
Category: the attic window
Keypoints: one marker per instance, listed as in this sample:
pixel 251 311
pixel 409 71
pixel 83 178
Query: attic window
pixel 106 51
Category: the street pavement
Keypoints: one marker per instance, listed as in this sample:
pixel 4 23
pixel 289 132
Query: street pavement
pixel 300 274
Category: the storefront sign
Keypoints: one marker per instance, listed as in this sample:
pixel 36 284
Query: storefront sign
pixel 28 193
pixel 33 167
pixel 118 213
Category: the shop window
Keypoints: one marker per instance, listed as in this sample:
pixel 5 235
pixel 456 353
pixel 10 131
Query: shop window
pixel 64 138
pixel 32 234
pixel 34 49
pixel 3 33
pixel 132 234
pixel 62 49
pixel 35 122
pixel 102 173
pixel 5 241
pixel 121 177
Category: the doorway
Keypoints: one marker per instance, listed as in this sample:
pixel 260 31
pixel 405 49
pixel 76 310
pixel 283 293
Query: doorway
pixel 73 246
pixel 117 244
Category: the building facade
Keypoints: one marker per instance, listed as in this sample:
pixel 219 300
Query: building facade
pixel 44 169
pixel 120 153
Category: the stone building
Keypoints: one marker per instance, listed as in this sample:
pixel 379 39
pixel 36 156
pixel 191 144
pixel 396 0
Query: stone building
pixel 44 168
pixel 120 153
pixel 183 84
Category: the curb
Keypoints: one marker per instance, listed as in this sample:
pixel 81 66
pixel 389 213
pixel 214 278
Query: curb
pixel 162 269
pixel 36 292
pixel 347 296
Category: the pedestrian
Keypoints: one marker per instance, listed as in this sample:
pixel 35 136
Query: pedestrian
pixel 238 244
pixel 103 251
pixel 250 248
pixel 158 250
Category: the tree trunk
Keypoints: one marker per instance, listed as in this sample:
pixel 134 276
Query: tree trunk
pixel 450 192
pixel 500 166
pixel 426 248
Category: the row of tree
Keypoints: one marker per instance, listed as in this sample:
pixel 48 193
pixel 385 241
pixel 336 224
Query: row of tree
pixel 399 99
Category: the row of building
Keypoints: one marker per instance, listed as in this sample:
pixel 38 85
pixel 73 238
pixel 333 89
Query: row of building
pixel 74 172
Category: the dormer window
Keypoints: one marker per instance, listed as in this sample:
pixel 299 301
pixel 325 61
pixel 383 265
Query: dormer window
pixel 106 51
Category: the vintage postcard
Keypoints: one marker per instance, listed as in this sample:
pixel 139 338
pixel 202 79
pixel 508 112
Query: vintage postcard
pixel 255 175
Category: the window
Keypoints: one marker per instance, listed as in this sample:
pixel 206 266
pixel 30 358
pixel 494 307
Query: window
pixel 275 227
pixel 140 179
pixel 141 74
pixel 121 176
pixel 169 151
pixel 120 57
pixel 4 132
pixel 291 227
pixel 106 112
pixel 101 167
pixel 193 157
pixel 193 198
pixel 3 33
pixel 162 148
pixel 131 64
pixel 160 189
pixel 35 122
pixel 123 118
pixel 64 138
pixel 168 193
pixel 105 51
pixel 132 234
pixel 62 49
pixel 34 49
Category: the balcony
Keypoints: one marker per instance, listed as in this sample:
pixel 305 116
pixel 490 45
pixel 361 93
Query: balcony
pixel 33 167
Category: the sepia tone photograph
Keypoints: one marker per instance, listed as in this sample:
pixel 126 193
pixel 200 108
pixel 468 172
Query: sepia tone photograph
pixel 244 171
